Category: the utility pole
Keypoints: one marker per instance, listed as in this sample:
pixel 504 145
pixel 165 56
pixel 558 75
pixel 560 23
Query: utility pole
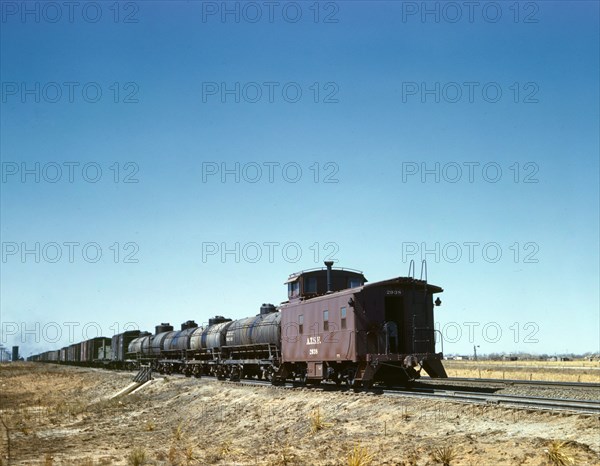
pixel 475 352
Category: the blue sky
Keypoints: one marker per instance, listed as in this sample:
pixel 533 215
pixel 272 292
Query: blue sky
pixel 373 124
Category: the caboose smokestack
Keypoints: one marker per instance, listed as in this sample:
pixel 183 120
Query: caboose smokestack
pixel 328 264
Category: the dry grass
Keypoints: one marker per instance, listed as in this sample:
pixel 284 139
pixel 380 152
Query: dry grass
pixel 98 407
pixel 559 371
pixel 532 363
pixel 189 454
pixel 360 456
pixel 149 426
pixel 172 456
pixel 268 427
pixel 225 450
pixel 412 457
pixel 317 421
pixel 181 451
pixel 284 456
pixel 71 408
pixel 179 431
pixel 444 455
pixel 137 457
pixel 558 453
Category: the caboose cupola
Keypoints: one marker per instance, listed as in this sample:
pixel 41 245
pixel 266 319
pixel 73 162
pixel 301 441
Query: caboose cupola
pixel 310 283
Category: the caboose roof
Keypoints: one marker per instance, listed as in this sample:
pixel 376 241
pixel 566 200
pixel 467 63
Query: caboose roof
pixel 296 275
pixel 398 281
pixel 406 281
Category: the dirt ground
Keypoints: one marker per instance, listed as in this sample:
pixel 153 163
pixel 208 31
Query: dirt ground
pixel 53 415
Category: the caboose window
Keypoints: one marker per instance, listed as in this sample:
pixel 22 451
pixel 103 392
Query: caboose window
pixel 343 314
pixel 310 284
pixel 300 324
pixel 354 282
pixel 293 288
pixel 325 320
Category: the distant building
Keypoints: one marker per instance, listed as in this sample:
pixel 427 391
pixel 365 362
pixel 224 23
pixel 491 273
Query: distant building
pixel 4 355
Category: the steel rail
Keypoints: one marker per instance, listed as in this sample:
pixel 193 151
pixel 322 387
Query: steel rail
pixel 580 406
pixel 548 383
pixel 512 401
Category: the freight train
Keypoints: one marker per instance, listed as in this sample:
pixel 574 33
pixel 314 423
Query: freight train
pixel 334 326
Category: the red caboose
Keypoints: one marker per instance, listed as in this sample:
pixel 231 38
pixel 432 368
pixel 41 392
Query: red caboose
pixel 337 327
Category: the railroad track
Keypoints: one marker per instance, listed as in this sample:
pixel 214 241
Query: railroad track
pixel 527 402
pixel 461 396
pixel 537 383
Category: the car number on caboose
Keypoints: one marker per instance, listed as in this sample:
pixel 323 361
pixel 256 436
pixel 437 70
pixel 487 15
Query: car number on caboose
pixel 313 340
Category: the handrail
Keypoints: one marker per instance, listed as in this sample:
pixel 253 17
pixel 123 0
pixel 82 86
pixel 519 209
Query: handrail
pixel 429 329
pixel 424 267
pixel 343 269
pixel 441 338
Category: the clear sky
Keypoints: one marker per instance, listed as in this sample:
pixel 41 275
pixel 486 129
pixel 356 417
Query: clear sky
pixel 166 161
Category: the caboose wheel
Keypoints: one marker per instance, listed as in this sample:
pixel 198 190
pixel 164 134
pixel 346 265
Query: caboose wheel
pixel 350 380
pixel 268 374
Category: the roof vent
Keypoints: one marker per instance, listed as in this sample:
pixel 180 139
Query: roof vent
pixel 328 264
